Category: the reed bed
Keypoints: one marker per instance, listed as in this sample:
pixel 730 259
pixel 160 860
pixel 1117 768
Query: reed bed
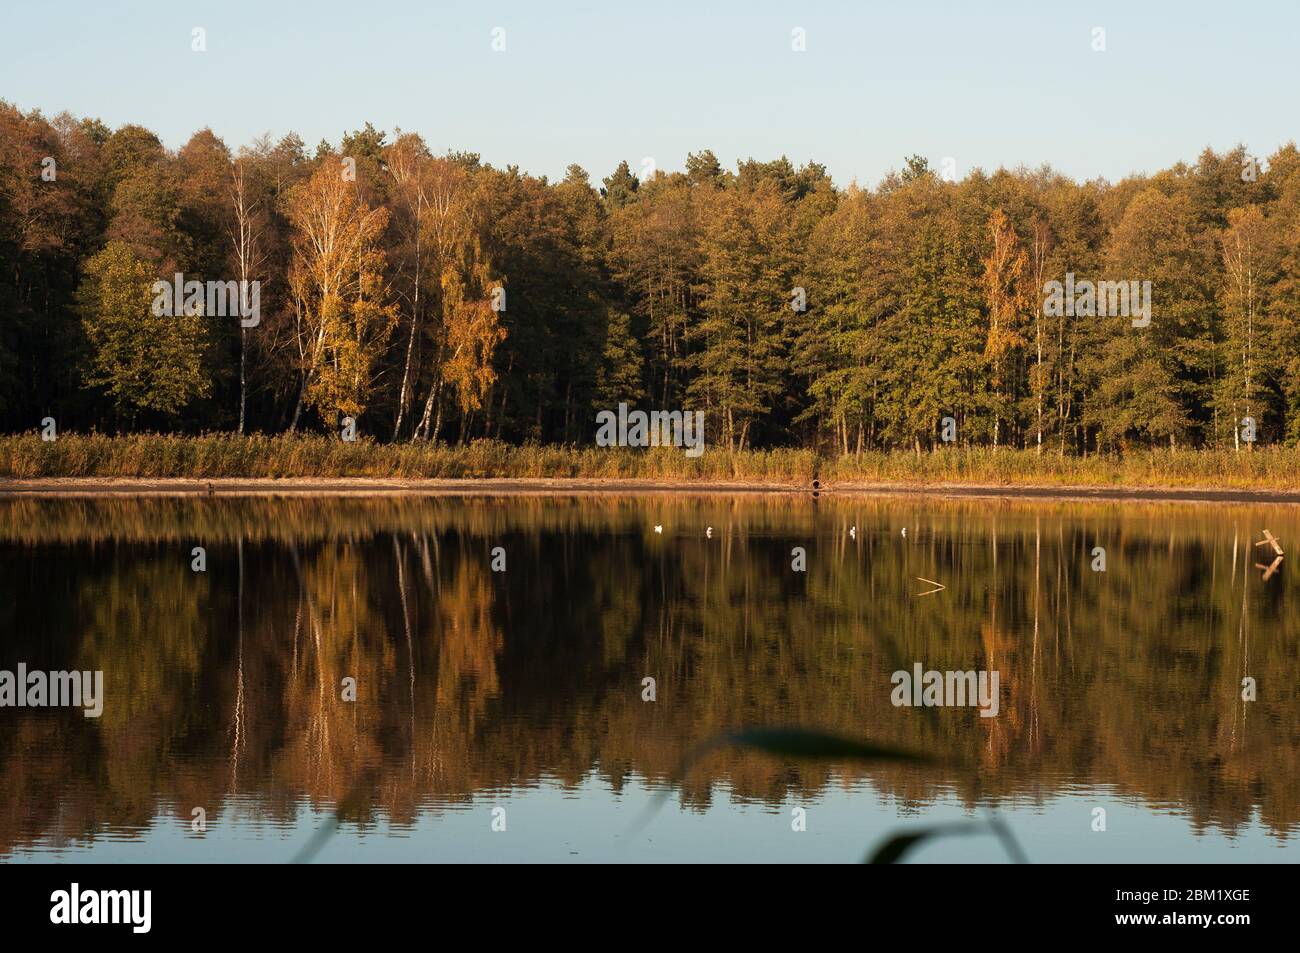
pixel 223 455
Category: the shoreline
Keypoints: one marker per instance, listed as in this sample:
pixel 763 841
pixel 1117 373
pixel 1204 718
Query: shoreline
pixel 100 487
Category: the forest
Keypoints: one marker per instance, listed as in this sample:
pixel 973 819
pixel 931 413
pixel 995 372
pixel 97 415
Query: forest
pixel 438 298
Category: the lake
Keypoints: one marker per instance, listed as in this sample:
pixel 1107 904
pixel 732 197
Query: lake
pixel 374 660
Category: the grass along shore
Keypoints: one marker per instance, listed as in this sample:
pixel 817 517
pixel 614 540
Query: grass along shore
pixel 227 456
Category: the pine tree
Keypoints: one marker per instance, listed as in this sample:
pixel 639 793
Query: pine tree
pixel 619 379
pixel 620 186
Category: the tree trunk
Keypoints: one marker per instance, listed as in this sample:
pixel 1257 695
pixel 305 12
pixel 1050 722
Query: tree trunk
pixel 415 321
pixel 243 375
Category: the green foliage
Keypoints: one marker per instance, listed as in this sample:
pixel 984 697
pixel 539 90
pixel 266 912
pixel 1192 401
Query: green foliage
pixel 143 361
pixel 919 299
pixel 620 186
pixel 620 375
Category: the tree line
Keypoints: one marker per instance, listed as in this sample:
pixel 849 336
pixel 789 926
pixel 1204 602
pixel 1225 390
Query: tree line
pixel 439 298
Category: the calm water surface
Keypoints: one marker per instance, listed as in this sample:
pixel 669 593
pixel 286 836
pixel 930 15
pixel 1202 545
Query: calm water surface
pixel 516 696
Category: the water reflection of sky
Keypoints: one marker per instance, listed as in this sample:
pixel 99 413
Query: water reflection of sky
pixel 589 823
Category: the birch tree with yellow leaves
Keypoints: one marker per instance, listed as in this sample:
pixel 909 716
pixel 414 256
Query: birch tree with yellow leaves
pixel 468 324
pixel 1007 299
pixel 342 314
pixel 1246 256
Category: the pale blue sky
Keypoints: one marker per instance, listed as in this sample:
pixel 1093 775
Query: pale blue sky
pixel 991 84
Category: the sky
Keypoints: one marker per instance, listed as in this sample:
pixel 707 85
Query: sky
pixel 985 84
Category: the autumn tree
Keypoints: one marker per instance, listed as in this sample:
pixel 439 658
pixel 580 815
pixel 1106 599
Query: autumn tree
pixel 340 297
pixel 446 298
pixel 473 330
pixel 1246 260
pixel 415 205
pixel 1007 297
pixel 466 327
pixel 247 235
